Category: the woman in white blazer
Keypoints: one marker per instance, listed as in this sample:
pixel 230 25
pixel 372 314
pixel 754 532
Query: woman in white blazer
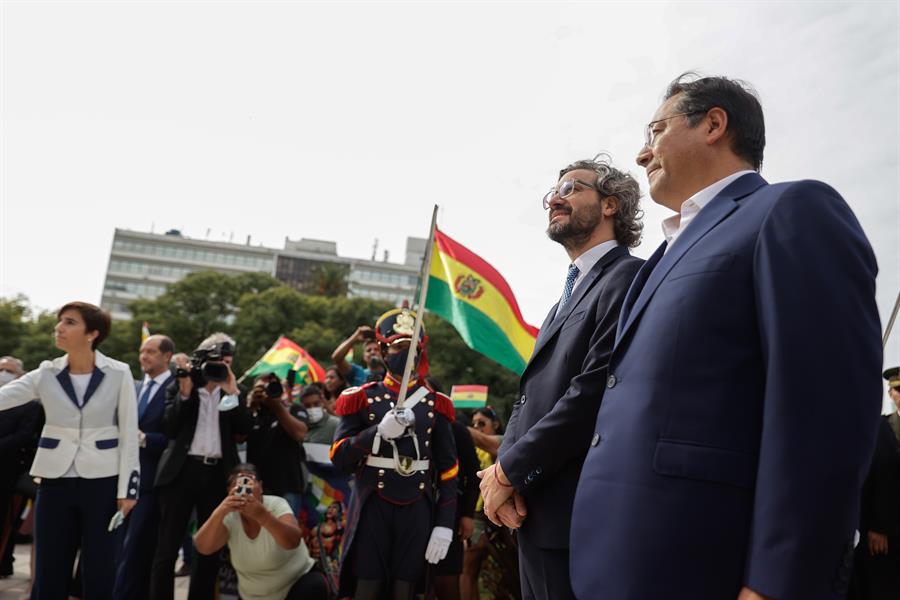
pixel 87 456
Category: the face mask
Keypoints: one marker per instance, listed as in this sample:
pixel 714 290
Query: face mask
pixel 316 414
pixel 6 377
pixel 395 363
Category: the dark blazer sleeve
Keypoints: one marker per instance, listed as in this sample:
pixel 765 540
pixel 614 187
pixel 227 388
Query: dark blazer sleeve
pixel 241 419
pixel 881 493
pixel 177 410
pixel 565 432
pixel 26 429
pixel 814 279
pixel 468 469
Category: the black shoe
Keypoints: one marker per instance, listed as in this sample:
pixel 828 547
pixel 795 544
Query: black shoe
pixel 184 571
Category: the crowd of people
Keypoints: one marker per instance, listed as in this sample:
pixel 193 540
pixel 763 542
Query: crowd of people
pixel 667 440
pixel 190 447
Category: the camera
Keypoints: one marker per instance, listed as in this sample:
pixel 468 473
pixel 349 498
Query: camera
pixel 244 486
pixel 207 365
pixel 274 389
pixel 368 335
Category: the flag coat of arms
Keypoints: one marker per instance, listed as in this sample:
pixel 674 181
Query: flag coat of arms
pixel 469 293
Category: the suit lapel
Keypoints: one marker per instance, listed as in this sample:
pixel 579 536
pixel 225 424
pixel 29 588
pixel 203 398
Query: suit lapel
pixel 552 325
pixel 96 377
pixel 66 382
pixel 637 285
pixel 711 215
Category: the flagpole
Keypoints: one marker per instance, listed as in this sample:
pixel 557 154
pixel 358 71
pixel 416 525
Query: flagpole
pixel 890 325
pixel 420 310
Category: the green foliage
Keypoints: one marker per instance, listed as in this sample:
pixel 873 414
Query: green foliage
pixel 14 315
pixel 255 309
pixel 328 280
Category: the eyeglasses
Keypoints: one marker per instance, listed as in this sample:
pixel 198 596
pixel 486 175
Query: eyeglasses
pixel 479 424
pixel 564 190
pixel 650 133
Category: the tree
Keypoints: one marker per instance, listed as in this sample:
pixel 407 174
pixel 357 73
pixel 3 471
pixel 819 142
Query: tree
pixel 199 304
pixel 328 279
pixel 14 314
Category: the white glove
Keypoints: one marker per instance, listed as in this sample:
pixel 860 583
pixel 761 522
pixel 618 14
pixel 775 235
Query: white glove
pixel 395 422
pixel 438 544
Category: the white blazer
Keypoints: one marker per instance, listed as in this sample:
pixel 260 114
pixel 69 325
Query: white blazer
pixel 100 438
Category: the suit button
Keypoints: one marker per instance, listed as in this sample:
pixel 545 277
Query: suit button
pixel 611 381
pixel 595 440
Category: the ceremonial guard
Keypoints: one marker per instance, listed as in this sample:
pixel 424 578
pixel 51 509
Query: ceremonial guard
pixel 403 458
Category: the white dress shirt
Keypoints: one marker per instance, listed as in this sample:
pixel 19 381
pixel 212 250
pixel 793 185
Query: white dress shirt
pixel 207 441
pixel 586 261
pixel 80 384
pixel 675 225
pixel 159 382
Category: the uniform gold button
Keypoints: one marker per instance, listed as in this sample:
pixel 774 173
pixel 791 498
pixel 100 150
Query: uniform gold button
pixel 371 416
pixel 381 472
pixel 427 442
pixel 380 485
pixel 431 403
pixel 371 400
pixel 430 415
pixel 421 486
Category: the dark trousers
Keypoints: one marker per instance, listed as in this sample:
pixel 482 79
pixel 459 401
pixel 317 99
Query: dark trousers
pixel 544 573
pixel 137 540
pixel 876 577
pixel 390 540
pixel 312 586
pixel 197 486
pixel 70 511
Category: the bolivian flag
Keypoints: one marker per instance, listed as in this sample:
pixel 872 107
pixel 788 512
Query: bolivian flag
pixel 477 301
pixel 284 356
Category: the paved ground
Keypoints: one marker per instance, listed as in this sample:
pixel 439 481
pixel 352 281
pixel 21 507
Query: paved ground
pixel 16 586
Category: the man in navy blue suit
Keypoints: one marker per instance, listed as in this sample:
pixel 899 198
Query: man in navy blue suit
pixel 721 470
pixel 593 213
pixel 137 535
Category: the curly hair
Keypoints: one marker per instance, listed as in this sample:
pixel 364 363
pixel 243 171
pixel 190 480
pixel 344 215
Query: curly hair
pixel 623 187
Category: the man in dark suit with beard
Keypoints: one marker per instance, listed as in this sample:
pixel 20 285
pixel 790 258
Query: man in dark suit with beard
pixel 594 215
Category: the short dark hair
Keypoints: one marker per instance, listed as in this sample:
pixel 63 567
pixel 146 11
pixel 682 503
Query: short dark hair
pixel 248 468
pixel 310 390
pixel 165 343
pixel 610 181
pixel 737 98
pixel 95 319
pixel 491 414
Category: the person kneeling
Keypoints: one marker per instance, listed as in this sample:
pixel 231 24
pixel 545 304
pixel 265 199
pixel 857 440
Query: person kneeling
pixel 266 544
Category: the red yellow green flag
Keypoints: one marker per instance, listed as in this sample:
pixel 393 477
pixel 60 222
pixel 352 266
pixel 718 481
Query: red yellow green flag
pixel 472 296
pixel 285 356
pixel 469 396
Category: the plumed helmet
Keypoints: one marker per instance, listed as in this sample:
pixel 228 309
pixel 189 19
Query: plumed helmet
pixel 397 324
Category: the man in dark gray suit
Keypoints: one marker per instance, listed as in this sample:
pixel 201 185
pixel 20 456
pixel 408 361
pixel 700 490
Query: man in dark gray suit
pixel 593 212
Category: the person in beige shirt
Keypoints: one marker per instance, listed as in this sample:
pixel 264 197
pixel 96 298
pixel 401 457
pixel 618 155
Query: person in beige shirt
pixel 265 542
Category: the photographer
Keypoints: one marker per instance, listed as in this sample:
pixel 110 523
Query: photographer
pixel 264 540
pixel 354 374
pixel 204 411
pixel 275 442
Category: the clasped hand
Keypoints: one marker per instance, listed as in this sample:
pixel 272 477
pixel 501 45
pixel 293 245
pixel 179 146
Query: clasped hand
pixel 502 504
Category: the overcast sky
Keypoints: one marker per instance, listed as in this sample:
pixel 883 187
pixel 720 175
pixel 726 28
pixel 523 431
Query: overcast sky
pixel 346 122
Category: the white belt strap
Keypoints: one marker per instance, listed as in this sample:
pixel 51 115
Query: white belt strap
pixel 381 462
pixel 417 397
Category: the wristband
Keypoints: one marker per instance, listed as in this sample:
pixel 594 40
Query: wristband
pixel 497 477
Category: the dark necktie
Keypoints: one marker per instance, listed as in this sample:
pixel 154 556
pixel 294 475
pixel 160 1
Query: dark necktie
pixel 145 399
pixel 571 276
